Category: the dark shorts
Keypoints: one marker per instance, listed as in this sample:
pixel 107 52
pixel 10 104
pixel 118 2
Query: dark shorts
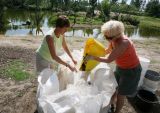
pixel 128 80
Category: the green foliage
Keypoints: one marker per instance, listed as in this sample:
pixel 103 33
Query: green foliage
pixel 75 6
pixel 115 7
pixel 93 4
pixel 2 18
pixel 52 2
pixel 106 7
pixel 125 8
pixel 149 26
pixel 130 20
pixel 127 19
pixel 153 8
pixel 136 3
pixel 148 31
pixel 16 70
pixel 113 1
pixel 88 31
pixel 52 20
pixel 123 1
pixel 79 20
pixel 83 5
pixel 55 5
pixel 149 22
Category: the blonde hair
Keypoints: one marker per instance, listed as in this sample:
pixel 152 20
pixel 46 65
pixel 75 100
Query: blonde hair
pixel 114 29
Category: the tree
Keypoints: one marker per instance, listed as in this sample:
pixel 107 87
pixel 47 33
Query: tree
pixel 153 8
pixel 93 4
pixel 66 3
pixel 113 1
pixel 76 8
pixel 2 20
pixel 38 22
pixel 54 4
pixel 137 3
pixel 106 7
pixel 123 1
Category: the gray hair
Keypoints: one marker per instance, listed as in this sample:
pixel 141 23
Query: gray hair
pixel 113 28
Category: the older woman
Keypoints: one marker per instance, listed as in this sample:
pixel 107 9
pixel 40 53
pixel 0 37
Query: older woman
pixel 122 51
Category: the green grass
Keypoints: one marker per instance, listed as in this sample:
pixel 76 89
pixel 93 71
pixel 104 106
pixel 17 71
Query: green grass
pixel 16 70
pixel 146 22
pixel 79 20
pixel 149 22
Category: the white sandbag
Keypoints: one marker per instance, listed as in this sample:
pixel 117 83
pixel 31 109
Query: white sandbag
pixel 77 98
pixel 77 55
pixel 64 104
pixel 103 77
pixel 90 104
pixel 85 75
pixel 65 76
pixel 75 94
pixel 48 83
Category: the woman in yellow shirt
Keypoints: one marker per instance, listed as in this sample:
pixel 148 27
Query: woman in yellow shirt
pixel 47 55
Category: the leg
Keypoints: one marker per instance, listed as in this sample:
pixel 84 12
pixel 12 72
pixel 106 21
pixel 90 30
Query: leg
pixel 41 64
pixel 114 98
pixel 113 102
pixel 120 103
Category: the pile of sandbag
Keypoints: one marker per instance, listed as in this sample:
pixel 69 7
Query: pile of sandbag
pixel 68 92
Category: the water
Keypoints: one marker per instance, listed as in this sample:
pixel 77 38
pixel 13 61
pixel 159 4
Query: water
pixel 43 20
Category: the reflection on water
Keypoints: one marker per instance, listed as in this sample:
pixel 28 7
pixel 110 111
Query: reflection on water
pixel 85 33
pixel 24 32
pixel 135 33
pixel 149 32
pixel 22 23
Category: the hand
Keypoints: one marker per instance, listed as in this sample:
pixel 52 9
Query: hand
pixel 75 62
pixel 88 57
pixel 72 68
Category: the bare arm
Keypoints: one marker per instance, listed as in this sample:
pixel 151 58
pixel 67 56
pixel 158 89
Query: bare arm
pixel 116 52
pixel 65 47
pixel 109 49
pixel 52 50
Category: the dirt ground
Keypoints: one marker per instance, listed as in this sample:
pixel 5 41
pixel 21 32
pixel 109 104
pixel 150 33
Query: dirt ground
pixel 19 97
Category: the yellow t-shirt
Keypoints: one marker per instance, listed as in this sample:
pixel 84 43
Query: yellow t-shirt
pixel 43 49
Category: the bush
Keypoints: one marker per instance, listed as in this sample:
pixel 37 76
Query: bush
pixel 130 20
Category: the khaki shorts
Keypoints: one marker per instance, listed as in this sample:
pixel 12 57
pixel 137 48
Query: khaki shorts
pixel 41 64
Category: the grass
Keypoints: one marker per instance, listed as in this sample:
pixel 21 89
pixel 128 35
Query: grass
pixel 145 22
pixel 149 22
pixel 16 71
pixel 79 20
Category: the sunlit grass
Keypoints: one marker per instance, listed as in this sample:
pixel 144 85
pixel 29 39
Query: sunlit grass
pixel 149 22
pixel 16 70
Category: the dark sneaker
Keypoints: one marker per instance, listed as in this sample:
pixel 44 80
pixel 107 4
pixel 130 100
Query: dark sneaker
pixel 111 109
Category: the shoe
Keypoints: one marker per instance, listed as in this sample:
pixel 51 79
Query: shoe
pixel 111 109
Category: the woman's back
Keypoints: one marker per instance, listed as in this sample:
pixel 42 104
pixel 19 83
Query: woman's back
pixel 43 49
pixel 129 58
